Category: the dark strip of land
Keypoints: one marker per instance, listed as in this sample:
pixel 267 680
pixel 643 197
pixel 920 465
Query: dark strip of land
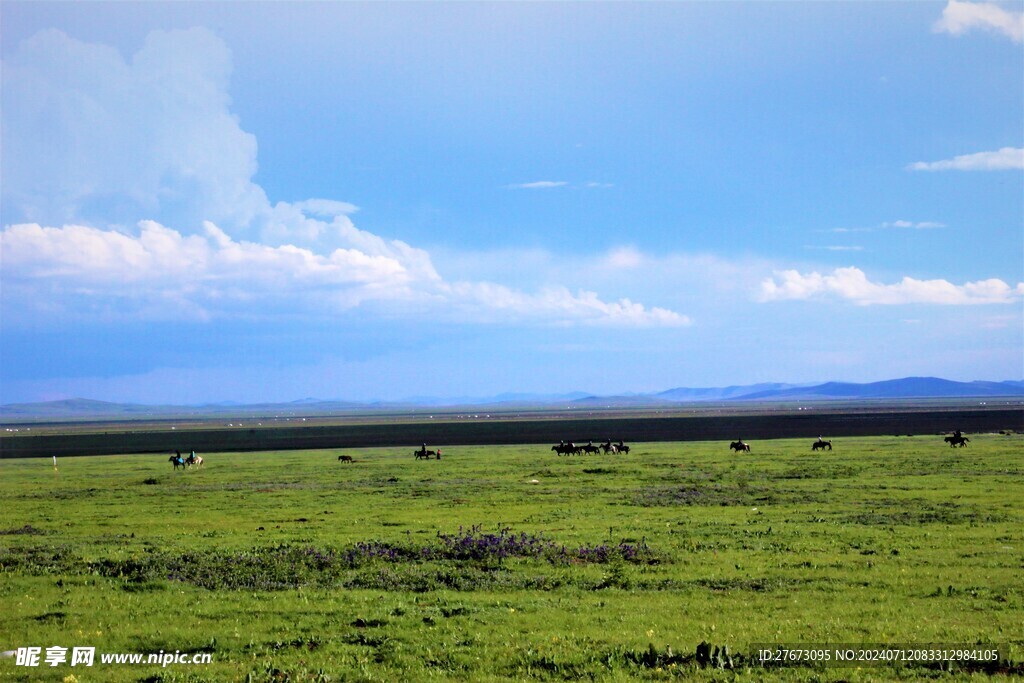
pixel 797 424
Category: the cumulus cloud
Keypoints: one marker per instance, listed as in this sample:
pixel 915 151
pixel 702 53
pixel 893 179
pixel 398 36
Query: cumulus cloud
pixel 205 275
pixel 852 284
pixel 960 17
pixel 1005 159
pixel 89 134
pixel 158 272
pixel 92 138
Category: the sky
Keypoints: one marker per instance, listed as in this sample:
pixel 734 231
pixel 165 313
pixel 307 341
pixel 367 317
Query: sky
pixel 269 201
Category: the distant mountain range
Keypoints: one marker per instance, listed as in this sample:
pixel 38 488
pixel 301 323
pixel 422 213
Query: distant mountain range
pixel 906 388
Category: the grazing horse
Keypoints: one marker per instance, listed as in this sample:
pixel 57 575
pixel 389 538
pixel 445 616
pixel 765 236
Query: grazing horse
pixel 822 445
pixel 740 446
pixel 345 458
pixel 956 441
pixel 177 461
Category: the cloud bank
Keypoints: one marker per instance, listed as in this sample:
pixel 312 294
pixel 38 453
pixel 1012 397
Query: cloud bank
pixel 159 273
pixel 851 284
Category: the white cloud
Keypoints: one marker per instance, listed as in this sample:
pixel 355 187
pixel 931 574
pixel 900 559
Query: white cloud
pixel 136 275
pixel 89 133
pixel 548 184
pixel 624 258
pixel 919 225
pixel 558 305
pixel 539 185
pixel 1005 159
pixel 960 17
pixel 159 273
pixel 852 284
pixel 326 207
pixel 900 224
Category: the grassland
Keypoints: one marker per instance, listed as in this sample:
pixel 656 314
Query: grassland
pixel 509 562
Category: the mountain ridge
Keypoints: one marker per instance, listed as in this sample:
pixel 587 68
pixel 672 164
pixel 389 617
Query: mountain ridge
pixel 907 387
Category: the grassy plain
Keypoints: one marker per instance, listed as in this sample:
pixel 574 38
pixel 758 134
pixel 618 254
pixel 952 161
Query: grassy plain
pixel 513 563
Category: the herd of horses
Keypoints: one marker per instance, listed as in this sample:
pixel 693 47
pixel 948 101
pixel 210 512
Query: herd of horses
pixel 570 448
pixel 957 440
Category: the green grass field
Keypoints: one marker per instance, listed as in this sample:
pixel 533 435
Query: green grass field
pixel 513 563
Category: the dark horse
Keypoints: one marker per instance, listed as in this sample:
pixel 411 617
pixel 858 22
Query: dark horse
pixel 424 454
pixel 956 441
pixel 345 458
pixel 821 445
pixel 178 462
pixel 740 446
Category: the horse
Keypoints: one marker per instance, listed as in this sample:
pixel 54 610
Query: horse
pixel 822 445
pixel 740 446
pixel 345 458
pixel 177 461
pixel 424 454
pixel 194 459
pixel 623 449
pixel 591 448
pixel 956 441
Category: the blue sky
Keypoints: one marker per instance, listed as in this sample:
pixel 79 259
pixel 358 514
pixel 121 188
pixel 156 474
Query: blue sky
pixel 269 201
